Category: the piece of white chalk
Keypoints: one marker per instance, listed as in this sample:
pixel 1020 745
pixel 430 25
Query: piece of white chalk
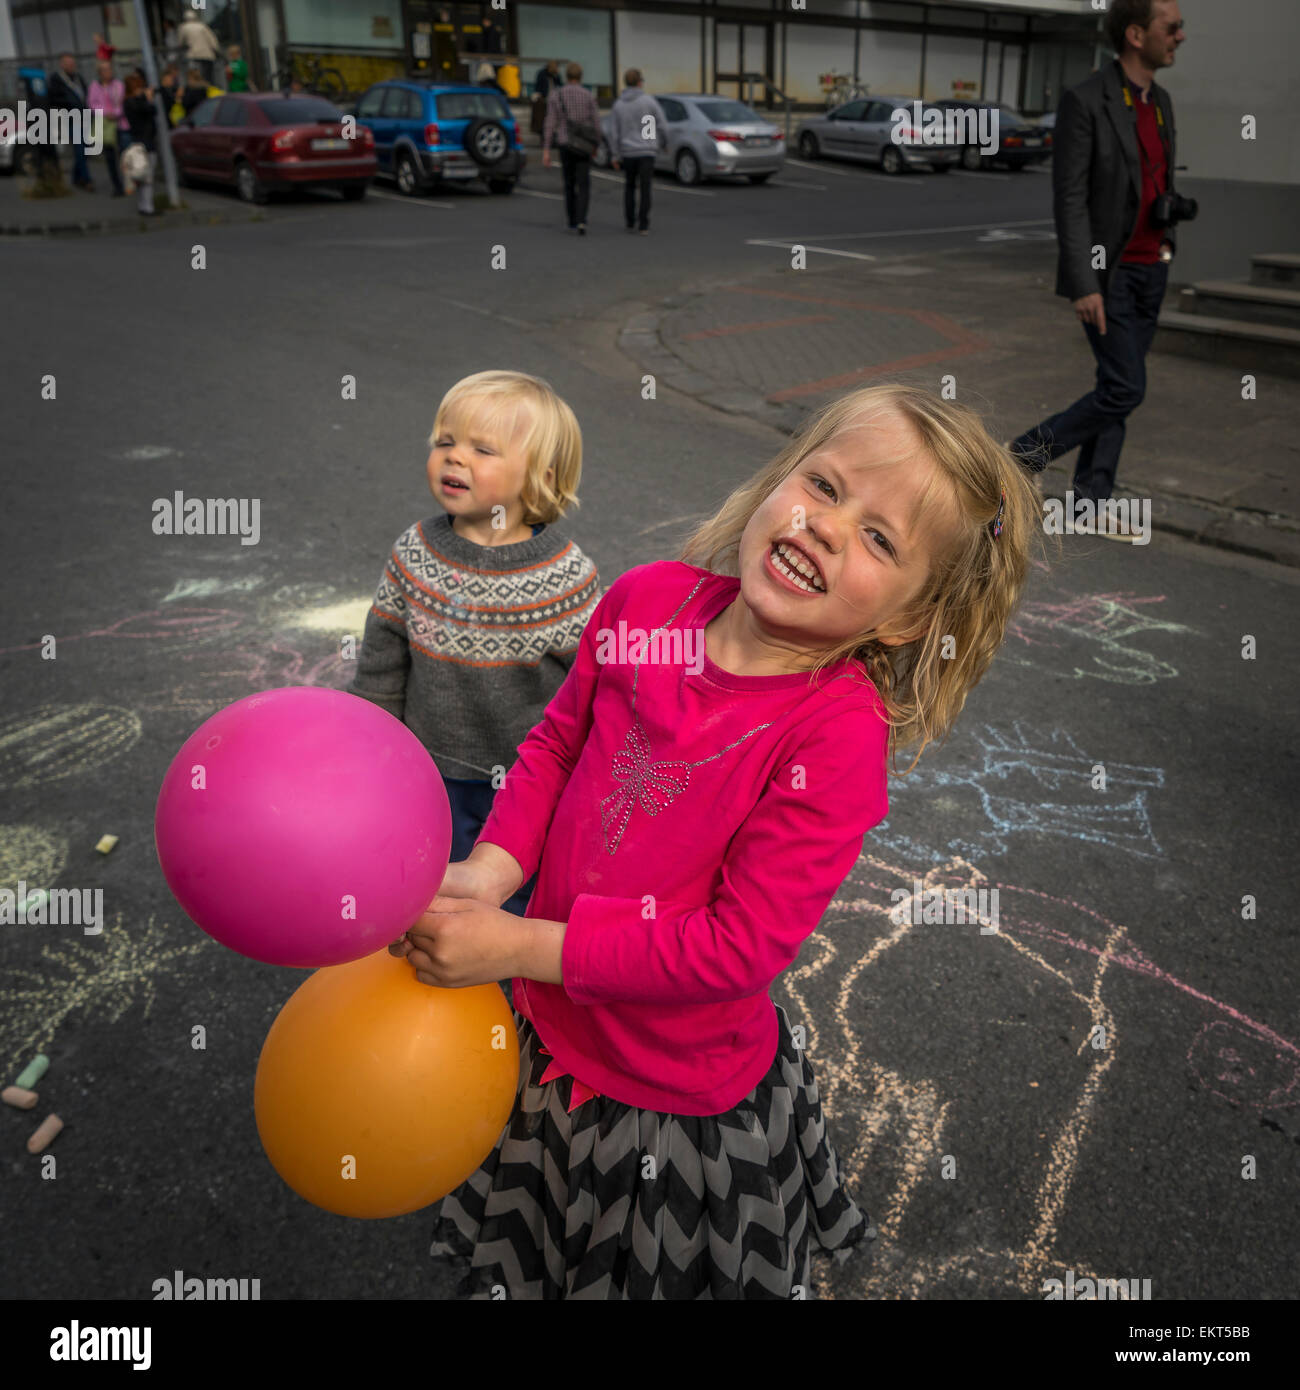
pixel 106 843
pixel 49 1128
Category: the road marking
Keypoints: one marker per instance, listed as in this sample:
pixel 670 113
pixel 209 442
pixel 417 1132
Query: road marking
pixel 410 202
pixel 537 193
pixel 488 313
pixel 852 173
pixel 787 183
pixel 936 231
pixel 824 250
pixel 659 187
pixel 983 174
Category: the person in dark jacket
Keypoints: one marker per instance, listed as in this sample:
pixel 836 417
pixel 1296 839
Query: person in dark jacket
pixel 142 114
pixel 547 78
pixel 67 92
pixel 1114 156
pixel 195 92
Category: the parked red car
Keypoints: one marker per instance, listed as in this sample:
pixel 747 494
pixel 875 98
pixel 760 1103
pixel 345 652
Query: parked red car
pixel 263 141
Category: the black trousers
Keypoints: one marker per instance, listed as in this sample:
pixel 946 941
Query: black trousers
pixel 577 185
pixel 1094 424
pixel 638 173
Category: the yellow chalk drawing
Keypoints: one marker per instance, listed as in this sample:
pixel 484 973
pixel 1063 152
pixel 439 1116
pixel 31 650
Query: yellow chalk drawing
pixel 56 741
pixel 105 978
pixel 877 1104
pixel 30 854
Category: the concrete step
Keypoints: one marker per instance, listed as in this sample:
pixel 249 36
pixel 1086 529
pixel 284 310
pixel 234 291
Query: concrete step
pixel 1275 268
pixel 1234 299
pixel 1252 347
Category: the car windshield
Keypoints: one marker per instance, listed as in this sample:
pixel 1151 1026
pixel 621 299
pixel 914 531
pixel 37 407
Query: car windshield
pixel 468 106
pixel 727 111
pixel 299 110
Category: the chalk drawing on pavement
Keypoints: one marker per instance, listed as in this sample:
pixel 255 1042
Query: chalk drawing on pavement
pixel 30 855
pixel 1010 773
pixel 1112 627
pixel 57 741
pixel 103 978
pixel 903 1122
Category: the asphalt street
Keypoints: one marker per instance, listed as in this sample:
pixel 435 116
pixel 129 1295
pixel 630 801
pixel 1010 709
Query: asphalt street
pixel 1113 1154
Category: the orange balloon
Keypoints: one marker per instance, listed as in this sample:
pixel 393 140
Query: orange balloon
pixel 377 1095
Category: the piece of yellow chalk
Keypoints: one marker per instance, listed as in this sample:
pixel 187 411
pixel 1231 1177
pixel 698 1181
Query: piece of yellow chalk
pixel 18 1097
pixel 49 1128
pixel 106 843
pixel 33 1071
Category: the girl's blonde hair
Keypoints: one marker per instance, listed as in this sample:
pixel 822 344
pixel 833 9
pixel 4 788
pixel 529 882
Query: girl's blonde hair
pixel 495 405
pixel 975 580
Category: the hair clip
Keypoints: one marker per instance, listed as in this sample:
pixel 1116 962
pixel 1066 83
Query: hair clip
pixel 996 524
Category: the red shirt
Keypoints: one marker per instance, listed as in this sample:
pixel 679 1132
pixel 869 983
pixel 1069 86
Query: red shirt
pixel 1144 245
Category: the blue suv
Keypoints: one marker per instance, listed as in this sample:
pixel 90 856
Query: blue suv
pixel 430 132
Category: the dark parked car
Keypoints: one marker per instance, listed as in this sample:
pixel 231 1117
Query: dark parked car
pixel 431 132
pixel 266 141
pixel 1020 141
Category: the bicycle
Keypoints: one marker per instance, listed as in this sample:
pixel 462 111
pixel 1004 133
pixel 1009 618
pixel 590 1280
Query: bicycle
pixel 839 89
pixel 318 80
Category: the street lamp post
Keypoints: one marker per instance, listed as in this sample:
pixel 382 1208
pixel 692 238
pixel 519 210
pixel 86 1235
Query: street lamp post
pixel 164 130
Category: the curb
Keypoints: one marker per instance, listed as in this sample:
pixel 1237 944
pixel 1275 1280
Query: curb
pixel 103 227
pixel 1262 535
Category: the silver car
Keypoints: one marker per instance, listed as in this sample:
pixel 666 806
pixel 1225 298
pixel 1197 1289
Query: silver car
pixel 865 130
pixel 708 137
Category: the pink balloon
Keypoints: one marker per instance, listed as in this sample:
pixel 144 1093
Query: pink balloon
pixel 303 826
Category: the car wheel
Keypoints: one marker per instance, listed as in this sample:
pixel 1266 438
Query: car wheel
pixel 353 192
pixel 808 146
pixel 687 168
pixel 759 178
pixel 408 178
pixel 251 188
pixel 970 159
pixel 501 185
pixel 891 162
pixel 487 142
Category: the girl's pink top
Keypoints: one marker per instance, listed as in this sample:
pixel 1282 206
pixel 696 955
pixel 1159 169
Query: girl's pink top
pixel 106 98
pixel 690 826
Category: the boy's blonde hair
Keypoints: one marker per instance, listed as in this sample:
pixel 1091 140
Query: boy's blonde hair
pixel 492 403
pixel 975 581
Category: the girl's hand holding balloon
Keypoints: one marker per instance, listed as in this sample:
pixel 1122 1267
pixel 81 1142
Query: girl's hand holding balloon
pixel 458 943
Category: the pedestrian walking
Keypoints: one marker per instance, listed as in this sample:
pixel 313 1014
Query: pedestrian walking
pixel 201 45
pixel 1115 211
pixel 195 91
pixel 66 90
pixel 573 123
pixel 106 95
pixel 663 798
pixel 547 79
pixel 141 157
pixel 638 122
pixel 169 88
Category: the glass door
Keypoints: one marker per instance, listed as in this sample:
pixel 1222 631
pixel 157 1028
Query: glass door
pixel 739 49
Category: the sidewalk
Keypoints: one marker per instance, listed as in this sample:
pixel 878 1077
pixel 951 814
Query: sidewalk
pixel 86 214
pixel 1218 469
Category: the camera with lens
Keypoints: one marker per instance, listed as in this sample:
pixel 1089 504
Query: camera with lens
pixel 1170 208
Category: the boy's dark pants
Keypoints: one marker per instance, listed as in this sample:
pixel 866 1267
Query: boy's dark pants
pixel 638 173
pixel 471 802
pixel 577 185
pixel 1094 424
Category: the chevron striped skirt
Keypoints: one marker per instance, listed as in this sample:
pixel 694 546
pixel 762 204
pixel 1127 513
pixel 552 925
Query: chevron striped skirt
pixel 563 1208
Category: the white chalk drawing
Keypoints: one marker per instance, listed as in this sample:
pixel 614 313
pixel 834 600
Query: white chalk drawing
pixel 121 968
pixel 1010 774
pixel 902 1121
pixel 1109 624
pixel 57 741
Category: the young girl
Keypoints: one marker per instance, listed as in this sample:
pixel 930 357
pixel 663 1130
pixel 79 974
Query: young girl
pixel 695 794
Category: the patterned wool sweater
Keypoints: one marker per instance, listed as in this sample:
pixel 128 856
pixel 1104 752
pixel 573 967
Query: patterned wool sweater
pixel 466 643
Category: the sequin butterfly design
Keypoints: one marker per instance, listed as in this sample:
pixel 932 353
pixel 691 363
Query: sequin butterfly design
pixel 656 785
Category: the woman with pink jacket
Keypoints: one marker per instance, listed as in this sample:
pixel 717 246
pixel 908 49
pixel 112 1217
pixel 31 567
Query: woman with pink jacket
pixel 106 95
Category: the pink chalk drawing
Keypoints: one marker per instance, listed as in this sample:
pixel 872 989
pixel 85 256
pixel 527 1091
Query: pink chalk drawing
pixel 902 1119
pixel 172 625
pixel 1111 625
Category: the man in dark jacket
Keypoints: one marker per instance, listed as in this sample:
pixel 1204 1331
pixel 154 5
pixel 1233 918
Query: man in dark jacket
pixel 67 89
pixel 1114 155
